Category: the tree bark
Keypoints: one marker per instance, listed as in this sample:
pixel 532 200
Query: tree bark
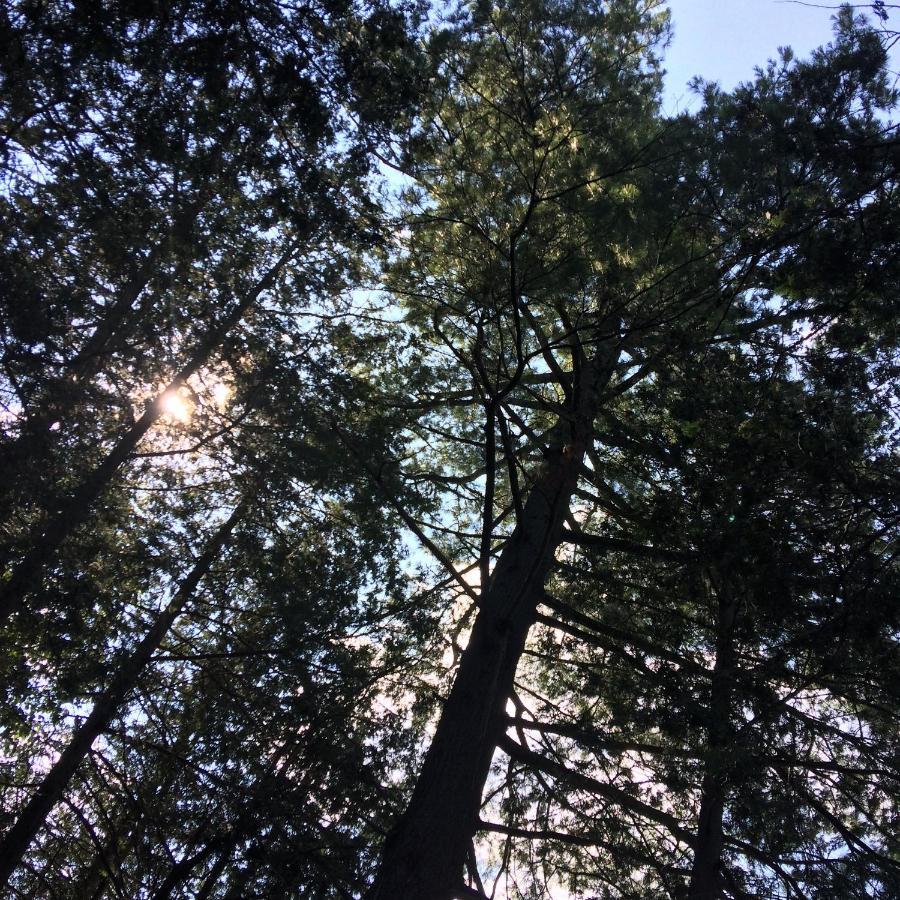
pixel 424 857
pixel 706 872
pixel 52 789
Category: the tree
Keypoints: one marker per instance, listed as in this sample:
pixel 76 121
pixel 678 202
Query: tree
pixel 190 161
pixel 179 182
pixel 559 297
pixel 628 382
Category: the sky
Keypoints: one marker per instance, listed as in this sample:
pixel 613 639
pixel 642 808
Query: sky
pixel 723 40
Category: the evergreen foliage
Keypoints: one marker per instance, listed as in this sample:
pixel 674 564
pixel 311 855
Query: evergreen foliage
pixel 433 472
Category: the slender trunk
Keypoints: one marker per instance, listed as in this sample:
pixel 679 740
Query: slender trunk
pixel 237 883
pixel 215 872
pixel 181 871
pixel 76 508
pixel 424 857
pixel 104 869
pixel 706 874
pixel 86 363
pixel 52 789
pixel 93 884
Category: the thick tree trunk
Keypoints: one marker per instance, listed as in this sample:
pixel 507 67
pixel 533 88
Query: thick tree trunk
pixel 424 857
pixel 706 873
pixel 51 790
pixel 706 881
pixel 77 507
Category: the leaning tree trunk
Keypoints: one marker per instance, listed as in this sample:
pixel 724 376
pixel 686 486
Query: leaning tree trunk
pixel 52 789
pixel 182 870
pixel 215 872
pixel 423 858
pixel 706 873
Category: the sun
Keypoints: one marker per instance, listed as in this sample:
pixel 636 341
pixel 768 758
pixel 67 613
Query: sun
pixel 177 406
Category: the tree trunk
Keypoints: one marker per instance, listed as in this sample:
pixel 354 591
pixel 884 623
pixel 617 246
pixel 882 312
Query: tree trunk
pixel 424 857
pixel 215 872
pixel 706 874
pixel 181 871
pixel 52 789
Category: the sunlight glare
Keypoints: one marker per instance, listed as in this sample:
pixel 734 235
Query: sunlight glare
pixel 177 406
pixel 221 394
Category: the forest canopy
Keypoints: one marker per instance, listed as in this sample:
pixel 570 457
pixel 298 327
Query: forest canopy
pixel 430 470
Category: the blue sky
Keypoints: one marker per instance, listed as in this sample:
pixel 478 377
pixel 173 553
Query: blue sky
pixel 723 40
